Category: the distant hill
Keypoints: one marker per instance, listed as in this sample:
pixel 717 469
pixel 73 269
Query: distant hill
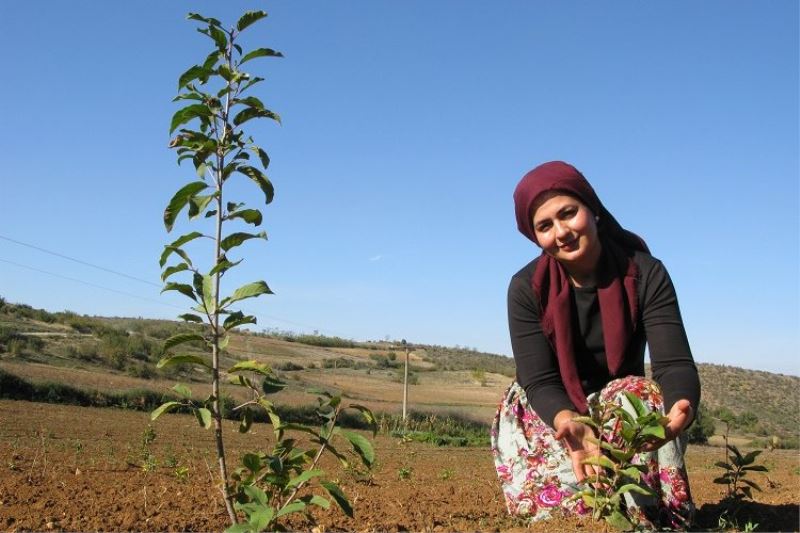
pixel 122 352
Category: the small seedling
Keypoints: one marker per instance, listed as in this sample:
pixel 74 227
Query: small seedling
pixel 181 473
pixel 404 472
pixel 736 468
pixel 622 437
pixel 446 474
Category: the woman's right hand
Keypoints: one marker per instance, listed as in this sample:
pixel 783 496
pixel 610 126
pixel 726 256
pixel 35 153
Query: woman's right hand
pixel 578 439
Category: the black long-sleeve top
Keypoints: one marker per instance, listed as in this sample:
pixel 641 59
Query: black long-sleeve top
pixel 659 325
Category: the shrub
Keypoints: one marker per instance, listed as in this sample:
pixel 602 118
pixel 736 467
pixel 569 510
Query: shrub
pixel 702 428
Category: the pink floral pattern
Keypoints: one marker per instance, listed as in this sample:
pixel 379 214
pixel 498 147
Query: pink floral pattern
pixel 536 474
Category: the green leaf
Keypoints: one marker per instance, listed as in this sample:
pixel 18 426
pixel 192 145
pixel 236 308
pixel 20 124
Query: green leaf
pixel 750 457
pixel 211 21
pixel 184 115
pixel 262 155
pixel 240 381
pixel 235 239
pixel 223 341
pixel 585 420
pixel 338 496
pixel 209 63
pixel 203 416
pixel 319 501
pixel 189 317
pixel 361 446
pixel 261 180
pixel 248 18
pixel 251 216
pixel 735 450
pixel 207 290
pixel 180 267
pixel 223 266
pixel 181 338
pixel 271 385
pixel 181 288
pixel 251 366
pixel 618 521
pixel 632 472
pixel 183 390
pixel 250 113
pixel 632 487
pixel 250 290
pixel 197 204
pixel 163 408
pixel 638 406
pixel 247 421
pixel 251 101
pixel 194 72
pixel 726 466
pixel 305 476
pixel 654 431
pixel 182 359
pixel 294 507
pixel 174 246
pixel 260 52
pixel 369 417
pixel 179 201
pixel 225 71
pixel 601 460
pixel 756 468
pixel 260 520
pixel 752 484
pixel 237 319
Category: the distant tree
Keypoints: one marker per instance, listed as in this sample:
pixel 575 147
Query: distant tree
pixel 702 428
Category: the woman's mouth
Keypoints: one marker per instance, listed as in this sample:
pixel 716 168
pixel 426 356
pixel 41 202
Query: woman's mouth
pixel 569 246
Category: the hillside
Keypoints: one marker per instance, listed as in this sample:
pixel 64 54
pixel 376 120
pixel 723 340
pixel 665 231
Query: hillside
pixel 113 353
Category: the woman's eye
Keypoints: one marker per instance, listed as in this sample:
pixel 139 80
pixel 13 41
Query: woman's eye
pixel 543 227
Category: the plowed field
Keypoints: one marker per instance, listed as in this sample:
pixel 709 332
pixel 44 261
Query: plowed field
pixel 81 469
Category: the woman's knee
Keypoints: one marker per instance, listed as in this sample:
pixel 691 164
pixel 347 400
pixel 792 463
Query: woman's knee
pixel 643 388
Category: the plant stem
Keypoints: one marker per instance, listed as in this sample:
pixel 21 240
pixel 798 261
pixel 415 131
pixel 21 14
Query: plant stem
pixel 215 351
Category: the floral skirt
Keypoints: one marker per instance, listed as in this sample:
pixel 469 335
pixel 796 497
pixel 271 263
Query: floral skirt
pixel 536 473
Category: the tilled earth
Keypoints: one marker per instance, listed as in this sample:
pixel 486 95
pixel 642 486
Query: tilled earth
pixel 85 469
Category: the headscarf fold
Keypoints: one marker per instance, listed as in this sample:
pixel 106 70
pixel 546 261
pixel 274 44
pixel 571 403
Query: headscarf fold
pixel 617 275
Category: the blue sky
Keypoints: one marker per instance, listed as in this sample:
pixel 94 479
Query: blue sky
pixel 406 126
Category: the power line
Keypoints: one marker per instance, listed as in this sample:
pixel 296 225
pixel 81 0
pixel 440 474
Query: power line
pixel 90 284
pixel 79 261
pixel 273 318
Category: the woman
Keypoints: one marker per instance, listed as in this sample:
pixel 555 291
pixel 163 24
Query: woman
pixel 579 317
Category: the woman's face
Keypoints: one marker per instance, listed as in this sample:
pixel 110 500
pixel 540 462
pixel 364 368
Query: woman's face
pixel 567 231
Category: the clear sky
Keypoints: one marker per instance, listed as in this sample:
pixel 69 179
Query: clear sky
pixel 406 126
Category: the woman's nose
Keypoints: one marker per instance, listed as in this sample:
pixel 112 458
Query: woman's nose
pixel 562 230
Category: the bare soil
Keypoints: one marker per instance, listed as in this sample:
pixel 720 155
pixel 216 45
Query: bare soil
pixel 80 469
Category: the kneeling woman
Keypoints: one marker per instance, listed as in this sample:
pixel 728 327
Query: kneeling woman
pixel 579 317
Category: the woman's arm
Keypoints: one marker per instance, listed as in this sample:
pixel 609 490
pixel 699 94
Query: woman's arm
pixel 670 356
pixel 537 368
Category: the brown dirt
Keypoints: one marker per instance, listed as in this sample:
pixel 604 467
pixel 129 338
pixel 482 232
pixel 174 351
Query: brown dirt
pixel 78 469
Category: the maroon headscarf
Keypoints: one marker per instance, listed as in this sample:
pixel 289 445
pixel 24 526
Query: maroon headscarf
pixel 617 275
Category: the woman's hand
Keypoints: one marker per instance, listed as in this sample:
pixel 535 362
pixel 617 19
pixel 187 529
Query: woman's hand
pixel 578 439
pixel 679 417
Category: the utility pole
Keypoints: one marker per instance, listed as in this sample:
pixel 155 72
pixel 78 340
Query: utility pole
pixel 405 381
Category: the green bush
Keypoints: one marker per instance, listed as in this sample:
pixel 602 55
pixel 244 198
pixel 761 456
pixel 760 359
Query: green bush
pixel 702 428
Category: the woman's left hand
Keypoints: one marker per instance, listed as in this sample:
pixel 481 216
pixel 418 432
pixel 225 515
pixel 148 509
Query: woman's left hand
pixel 679 417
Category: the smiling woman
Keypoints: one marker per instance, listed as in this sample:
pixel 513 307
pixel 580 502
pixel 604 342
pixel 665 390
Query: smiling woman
pixel 580 315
